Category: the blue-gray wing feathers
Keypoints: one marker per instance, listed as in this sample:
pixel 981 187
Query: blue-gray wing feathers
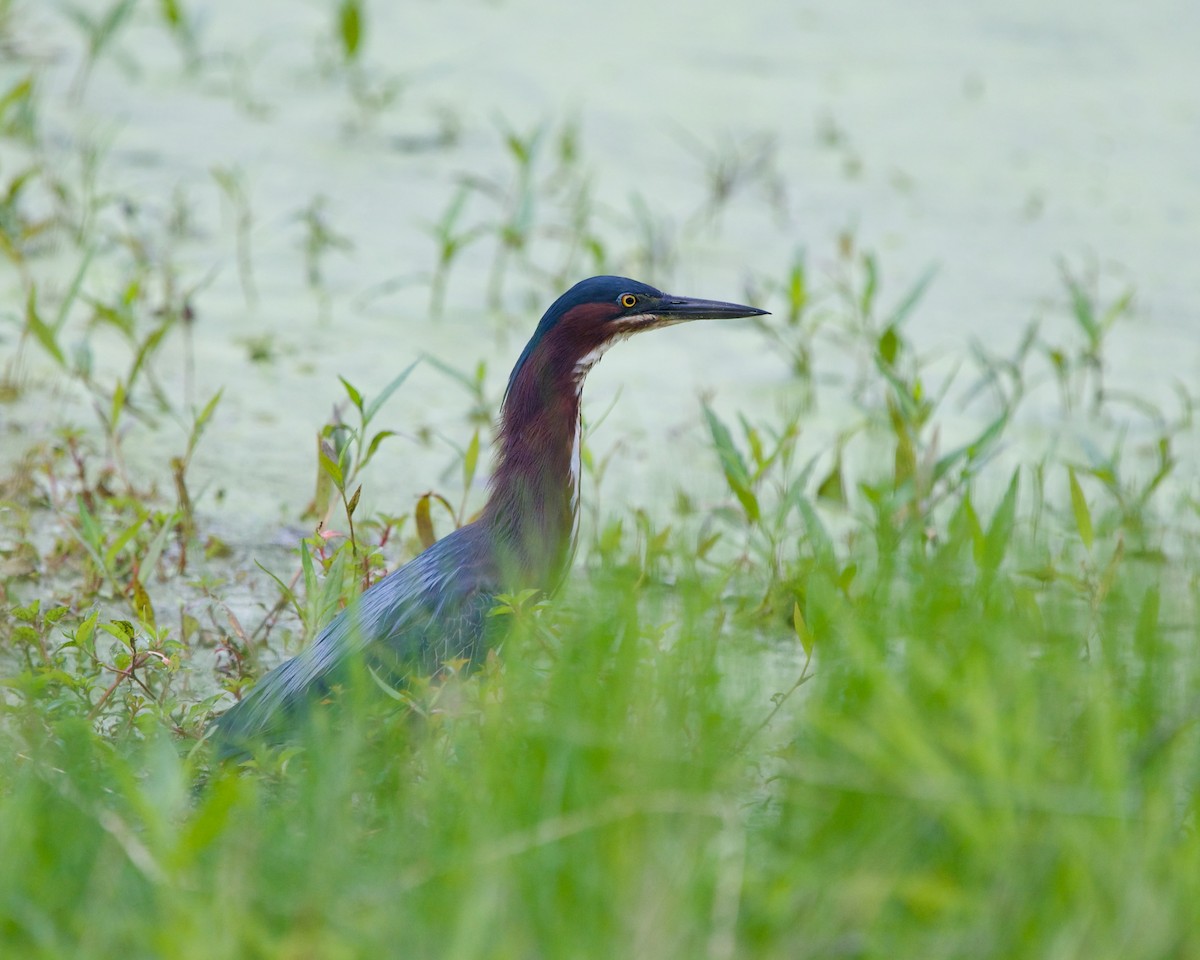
pixel 430 611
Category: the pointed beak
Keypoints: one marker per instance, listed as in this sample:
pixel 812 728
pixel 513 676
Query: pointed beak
pixel 679 309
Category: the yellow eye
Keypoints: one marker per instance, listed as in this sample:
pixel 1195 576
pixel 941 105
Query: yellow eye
pixel 628 300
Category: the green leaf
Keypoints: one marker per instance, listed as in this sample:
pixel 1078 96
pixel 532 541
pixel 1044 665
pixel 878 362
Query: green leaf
pixel 89 528
pixel 323 494
pixel 509 604
pixel 470 461
pixel 379 401
pixel 974 529
pixel 287 592
pixel 27 614
pixel 41 332
pixel 1146 632
pixel 206 414
pixel 754 441
pixel 465 380
pixel 846 577
pixel 118 404
pixel 115 548
pixel 976 450
pixel 833 487
pixel 73 291
pixel 142 604
pixel 911 299
pixel 149 559
pixel 889 346
pixel 85 632
pixel 146 350
pixel 374 445
pixel 999 533
pixel 350 28
pixel 814 530
pixel 609 540
pixel 208 819
pixel 731 458
pixel 108 25
pixel 424 521
pixel 331 590
pixel 801 628
pixel 797 292
pixel 871 286
pixel 311 583
pixel 170 12
pixel 1081 307
pixel 332 468
pixel 736 474
pixel 123 630
pixel 393 693
pixel 21 90
pixel 706 544
pixel 1119 307
pixel 905 466
pixel 352 392
pixel 1083 516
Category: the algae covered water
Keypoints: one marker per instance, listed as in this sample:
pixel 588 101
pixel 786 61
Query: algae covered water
pixel 297 185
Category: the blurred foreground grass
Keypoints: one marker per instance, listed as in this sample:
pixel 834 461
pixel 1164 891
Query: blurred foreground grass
pixel 885 699
pixel 948 729
pixel 981 765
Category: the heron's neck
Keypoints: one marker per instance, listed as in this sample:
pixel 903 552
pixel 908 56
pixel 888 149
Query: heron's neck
pixel 533 503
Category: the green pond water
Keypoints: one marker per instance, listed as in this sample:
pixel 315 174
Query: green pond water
pixel 987 140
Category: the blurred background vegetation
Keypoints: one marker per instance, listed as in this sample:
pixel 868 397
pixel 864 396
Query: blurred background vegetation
pixel 881 640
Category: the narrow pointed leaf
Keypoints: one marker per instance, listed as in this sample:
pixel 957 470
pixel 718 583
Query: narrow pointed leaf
pixel 119 544
pixel 141 602
pixel 374 444
pixel 379 401
pixel 323 494
pixel 814 530
pixel 911 299
pixel 1000 531
pixel 41 332
pixel 425 522
pixel 736 474
pixel 470 461
pixel 350 28
pixel 64 308
pixel 801 628
pixel 149 560
pixel 332 468
pixel 1083 516
pixel 833 487
pixel 353 393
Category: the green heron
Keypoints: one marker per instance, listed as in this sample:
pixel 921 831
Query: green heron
pixel 434 609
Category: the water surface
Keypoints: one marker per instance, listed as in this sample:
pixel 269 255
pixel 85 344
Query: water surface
pixel 988 139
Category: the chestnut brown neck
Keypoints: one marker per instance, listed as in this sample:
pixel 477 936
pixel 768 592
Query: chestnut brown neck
pixel 534 492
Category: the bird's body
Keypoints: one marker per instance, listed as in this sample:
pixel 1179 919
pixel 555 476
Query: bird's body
pixel 435 608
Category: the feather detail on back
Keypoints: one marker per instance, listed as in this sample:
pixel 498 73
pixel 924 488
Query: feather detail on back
pixel 430 611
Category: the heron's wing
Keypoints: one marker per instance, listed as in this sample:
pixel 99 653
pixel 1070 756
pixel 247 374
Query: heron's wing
pixel 431 610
